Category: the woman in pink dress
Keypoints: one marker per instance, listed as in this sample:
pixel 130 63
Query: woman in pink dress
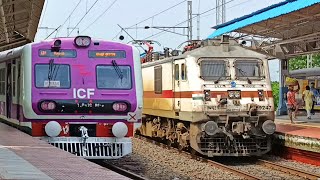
pixel 292 104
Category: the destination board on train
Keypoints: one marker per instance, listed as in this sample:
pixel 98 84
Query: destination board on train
pixel 107 54
pixel 62 53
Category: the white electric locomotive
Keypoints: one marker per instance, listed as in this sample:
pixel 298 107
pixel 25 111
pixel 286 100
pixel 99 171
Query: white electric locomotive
pixel 214 98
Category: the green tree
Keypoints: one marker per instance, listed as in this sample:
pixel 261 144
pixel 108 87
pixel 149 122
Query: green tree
pixel 275 92
pixel 300 62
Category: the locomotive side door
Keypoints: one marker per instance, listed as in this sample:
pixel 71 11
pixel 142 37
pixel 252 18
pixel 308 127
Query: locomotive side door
pixel 179 81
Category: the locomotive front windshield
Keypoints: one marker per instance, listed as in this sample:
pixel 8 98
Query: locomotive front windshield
pixel 114 77
pixel 248 68
pixel 53 76
pixel 213 69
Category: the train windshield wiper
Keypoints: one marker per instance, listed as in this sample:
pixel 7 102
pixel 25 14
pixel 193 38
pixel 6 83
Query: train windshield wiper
pixel 244 74
pixel 222 75
pixel 51 70
pixel 117 69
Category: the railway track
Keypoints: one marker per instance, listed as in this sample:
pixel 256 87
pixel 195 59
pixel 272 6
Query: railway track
pixel 244 174
pixel 287 169
pixel 199 158
pixel 115 168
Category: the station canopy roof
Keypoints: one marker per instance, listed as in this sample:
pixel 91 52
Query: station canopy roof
pixel 19 22
pixel 283 30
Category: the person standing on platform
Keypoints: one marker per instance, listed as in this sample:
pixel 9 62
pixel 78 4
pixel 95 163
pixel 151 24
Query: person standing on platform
pixel 292 104
pixel 315 94
pixel 308 97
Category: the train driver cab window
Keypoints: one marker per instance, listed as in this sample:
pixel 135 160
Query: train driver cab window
pixel 176 72
pixel 248 68
pixel 114 77
pixel 213 70
pixel 158 79
pixel 52 76
pixel 183 72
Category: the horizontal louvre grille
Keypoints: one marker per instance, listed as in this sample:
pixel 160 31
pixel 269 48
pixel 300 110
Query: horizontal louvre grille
pixel 92 150
pixel 218 145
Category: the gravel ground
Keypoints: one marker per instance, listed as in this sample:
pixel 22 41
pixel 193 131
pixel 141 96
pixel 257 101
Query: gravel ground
pixel 294 164
pixel 249 164
pixel 265 173
pixel 157 163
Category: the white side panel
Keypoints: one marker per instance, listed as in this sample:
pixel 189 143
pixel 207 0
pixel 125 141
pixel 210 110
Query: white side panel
pixel 138 80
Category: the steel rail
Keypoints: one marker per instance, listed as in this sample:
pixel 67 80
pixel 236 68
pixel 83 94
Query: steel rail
pixel 199 158
pixel 287 169
pixel 119 170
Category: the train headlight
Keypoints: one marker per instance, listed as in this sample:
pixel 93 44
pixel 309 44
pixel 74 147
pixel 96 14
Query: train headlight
pixel 53 128
pixel 261 95
pixel 207 95
pixel 210 128
pixel 57 43
pixel 82 41
pixel 269 127
pixel 119 129
pixel 119 107
pixel 48 105
pixel 234 94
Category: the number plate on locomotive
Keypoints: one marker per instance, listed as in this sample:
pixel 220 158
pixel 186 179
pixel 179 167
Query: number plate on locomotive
pixel 264 108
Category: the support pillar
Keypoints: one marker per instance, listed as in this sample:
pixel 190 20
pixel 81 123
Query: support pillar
pixel 282 107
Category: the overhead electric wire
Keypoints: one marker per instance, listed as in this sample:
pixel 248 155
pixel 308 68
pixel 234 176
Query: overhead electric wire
pixel 229 7
pixel 152 16
pixel 163 31
pixel 158 13
pixel 64 21
pixel 83 17
pixel 52 32
pixel 101 15
pixel 69 15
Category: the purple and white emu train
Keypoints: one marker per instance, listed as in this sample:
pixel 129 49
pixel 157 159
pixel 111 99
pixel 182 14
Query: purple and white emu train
pixel 79 94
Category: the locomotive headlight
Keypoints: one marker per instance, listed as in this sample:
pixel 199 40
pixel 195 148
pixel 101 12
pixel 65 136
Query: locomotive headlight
pixel 53 128
pixel 207 95
pixel 234 94
pixel 269 127
pixel 119 129
pixel 261 95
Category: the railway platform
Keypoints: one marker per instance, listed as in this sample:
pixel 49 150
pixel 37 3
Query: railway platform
pixel 25 157
pixel 299 141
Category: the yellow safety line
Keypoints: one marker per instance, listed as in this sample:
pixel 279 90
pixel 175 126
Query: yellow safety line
pixel 297 124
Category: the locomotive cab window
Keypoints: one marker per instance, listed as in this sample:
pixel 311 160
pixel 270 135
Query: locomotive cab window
pixel 158 79
pixel 248 68
pixel 213 70
pixel 176 72
pixel 113 77
pixel 183 72
pixel 52 76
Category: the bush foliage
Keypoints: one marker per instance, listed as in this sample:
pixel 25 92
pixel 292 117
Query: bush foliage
pixel 275 92
pixel 300 62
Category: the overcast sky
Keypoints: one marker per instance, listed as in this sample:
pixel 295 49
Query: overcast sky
pixel 128 13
